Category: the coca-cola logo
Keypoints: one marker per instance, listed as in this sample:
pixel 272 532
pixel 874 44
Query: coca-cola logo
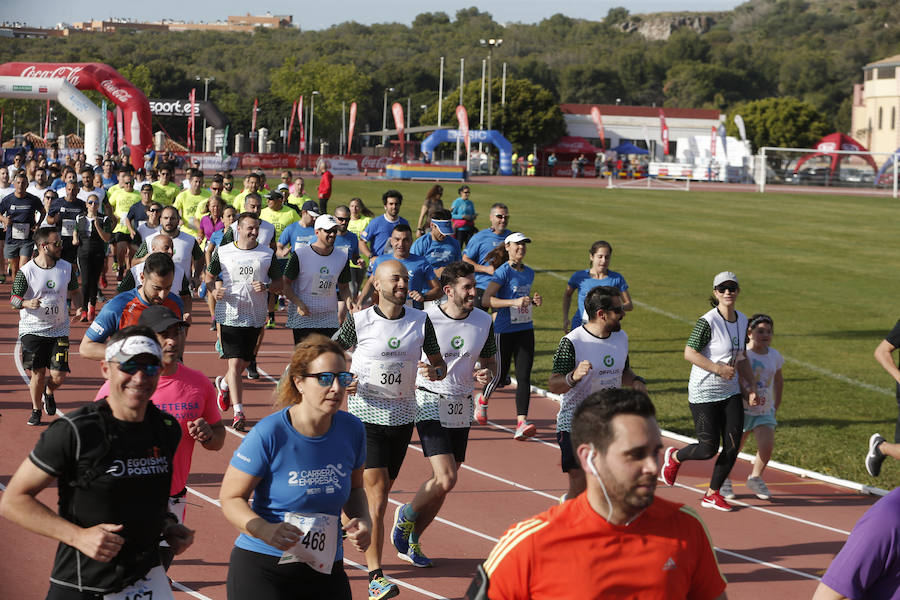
pixel 70 74
pixel 374 162
pixel 115 92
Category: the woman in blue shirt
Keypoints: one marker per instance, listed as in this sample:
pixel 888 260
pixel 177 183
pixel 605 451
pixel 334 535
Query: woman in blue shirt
pixel 303 466
pixel 509 293
pixel 586 280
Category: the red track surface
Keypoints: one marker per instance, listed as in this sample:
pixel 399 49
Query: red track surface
pixel 784 543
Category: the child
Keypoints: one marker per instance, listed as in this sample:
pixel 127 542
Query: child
pixel 766 363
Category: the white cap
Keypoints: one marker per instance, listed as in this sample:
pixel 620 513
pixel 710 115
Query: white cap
pixel 723 277
pixel 515 238
pixel 325 222
pixel 124 350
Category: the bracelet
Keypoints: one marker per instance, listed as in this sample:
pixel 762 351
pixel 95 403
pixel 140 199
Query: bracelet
pixel 570 381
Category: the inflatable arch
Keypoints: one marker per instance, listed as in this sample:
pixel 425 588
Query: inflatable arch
pixel 491 136
pixel 106 80
pixel 33 88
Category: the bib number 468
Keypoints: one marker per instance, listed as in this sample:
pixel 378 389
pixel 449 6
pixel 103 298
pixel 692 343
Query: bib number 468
pixel 314 540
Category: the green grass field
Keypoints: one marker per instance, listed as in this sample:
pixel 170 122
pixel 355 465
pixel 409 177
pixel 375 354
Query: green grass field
pixel 820 265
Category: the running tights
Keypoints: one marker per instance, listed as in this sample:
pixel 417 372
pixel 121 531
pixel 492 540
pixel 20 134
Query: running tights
pixel 259 576
pixel 518 344
pixel 715 421
pixel 89 266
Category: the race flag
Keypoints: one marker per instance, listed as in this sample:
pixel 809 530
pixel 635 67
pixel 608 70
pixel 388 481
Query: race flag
pixel 1 124
pixel 397 110
pixel 253 122
pixel 664 132
pixel 742 130
pixel 302 128
pixel 110 132
pixel 721 132
pixel 598 121
pixel 352 126
pixel 120 128
pixel 192 124
pixel 712 142
pixel 47 120
pixel 463 117
pixel 291 126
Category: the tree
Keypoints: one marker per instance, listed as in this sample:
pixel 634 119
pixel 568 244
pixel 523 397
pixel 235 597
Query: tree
pixel 784 122
pixel 695 85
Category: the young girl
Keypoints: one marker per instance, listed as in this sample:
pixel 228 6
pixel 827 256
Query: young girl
pixel 586 280
pixel 766 364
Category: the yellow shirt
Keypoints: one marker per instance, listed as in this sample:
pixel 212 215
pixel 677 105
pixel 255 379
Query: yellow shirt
pixel 165 194
pixel 298 200
pixel 229 196
pixel 357 227
pixel 121 201
pixel 280 218
pixel 238 203
pixel 187 203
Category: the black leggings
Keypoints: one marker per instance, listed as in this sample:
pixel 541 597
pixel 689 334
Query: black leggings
pixel 260 577
pixel 89 266
pixel 520 343
pixel 714 421
pixel 897 426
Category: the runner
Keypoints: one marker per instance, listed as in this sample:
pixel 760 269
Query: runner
pixel 351 241
pixel 39 293
pixel 229 215
pixel 6 189
pixel 444 408
pixel 228 191
pixel 121 200
pixel 360 216
pixel 20 213
pixel 251 186
pixel 187 201
pixel 587 279
pixel 590 358
pixel 180 284
pixel 289 545
pixel 186 250
pixel 316 283
pixel 93 231
pixel 389 340
pixel 324 190
pixel 509 291
pixel 280 216
pixel 243 272
pixel 111 516
pixel 62 215
pixel 432 204
pixel 125 309
pixel 423 283
pixel 463 212
pixel 438 246
pixel 152 224
pixel 716 351
pixel 481 244
pixel 299 233
pixel 164 190
pixel 139 214
pixel 298 196
pixel 374 239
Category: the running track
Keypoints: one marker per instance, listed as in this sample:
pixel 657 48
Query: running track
pixel 785 543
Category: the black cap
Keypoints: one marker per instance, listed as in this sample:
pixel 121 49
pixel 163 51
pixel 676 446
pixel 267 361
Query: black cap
pixel 158 318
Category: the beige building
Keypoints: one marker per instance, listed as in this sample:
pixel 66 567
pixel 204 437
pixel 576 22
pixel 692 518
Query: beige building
pixel 875 121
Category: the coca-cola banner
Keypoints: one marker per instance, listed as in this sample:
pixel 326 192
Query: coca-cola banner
pixel 336 163
pixel 106 80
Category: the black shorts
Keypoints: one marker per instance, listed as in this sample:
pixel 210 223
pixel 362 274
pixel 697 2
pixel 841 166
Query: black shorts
pixel 39 352
pixel 386 446
pixel 120 237
pixel 239 342
pixel 437 439
pixel 256 575
pixel 569 460
pixel 300 334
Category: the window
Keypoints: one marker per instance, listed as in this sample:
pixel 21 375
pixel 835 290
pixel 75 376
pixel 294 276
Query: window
pixel 880 111
pixel 893 117
pixel 886 72
pixel 869 74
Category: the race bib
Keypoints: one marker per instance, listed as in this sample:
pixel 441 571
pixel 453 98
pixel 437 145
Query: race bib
pixel 519 315
pixel 318 545
pixel 323 286
pixel 392 379
pixel 154 586
pixel 246 272
pixel 455 412
pixel 20 231
pixel 50 309
pixel 68 228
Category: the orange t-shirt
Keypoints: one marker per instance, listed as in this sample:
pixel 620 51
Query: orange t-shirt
pixel 570 551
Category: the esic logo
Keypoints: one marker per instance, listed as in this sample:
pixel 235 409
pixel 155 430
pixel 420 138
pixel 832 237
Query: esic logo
pixel 323 270
pixel 457 342
pixel 393 343
pixel 608 360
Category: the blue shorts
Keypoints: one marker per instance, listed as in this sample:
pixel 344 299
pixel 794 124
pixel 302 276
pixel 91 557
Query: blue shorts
pixel 17 248
pixel 751 422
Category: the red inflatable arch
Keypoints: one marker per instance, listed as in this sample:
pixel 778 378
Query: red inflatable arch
pixel 108 81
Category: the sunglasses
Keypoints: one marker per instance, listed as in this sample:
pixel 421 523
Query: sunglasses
pixel 326 378
pixel 91 202
pixel 341 219
pixel 727 287
pixel 619 310
pixel 502 217
pixel 153 210
pixel 131 367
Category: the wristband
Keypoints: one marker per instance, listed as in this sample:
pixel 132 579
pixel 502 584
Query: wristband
pixel 570 381
pixel 16 302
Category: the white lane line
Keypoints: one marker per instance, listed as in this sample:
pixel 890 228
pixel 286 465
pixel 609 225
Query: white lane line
pixel 408 586
pixel 767 564
pixel 814 368
pixel 455 525
pixel 188 590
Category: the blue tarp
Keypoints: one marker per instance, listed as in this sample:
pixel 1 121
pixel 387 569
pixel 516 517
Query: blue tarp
pixel 629 148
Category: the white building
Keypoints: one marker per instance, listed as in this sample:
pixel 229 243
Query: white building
pixel 876 103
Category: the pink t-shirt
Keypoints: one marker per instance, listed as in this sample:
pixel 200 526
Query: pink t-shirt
pixel 187 395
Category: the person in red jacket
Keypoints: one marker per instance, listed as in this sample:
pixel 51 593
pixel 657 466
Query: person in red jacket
pixel 325 190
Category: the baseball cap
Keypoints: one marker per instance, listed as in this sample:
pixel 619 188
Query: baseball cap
pixel 158 318
pixel 125 350
pixel 723 277
pixel 275 196
pixel 515 238
pixel 325 222
pixel 443 226
pixel 146 186
pixel 312 207
pixel 283 186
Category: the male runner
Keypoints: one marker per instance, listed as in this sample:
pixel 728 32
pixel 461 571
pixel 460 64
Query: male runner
pixel 423 283
pixel 373 241
pixel 299 233
pixel 438 247
pixel 180 283
pixel 481 244
pixel 121 199
pixel 164 190
pixel 187 252
pixel 187 201
pixel 20 213
pixel 62 214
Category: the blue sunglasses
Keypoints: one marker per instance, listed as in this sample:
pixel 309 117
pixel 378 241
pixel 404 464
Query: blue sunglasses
pixel 326 378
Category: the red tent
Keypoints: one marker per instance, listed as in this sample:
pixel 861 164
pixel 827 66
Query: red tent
pixel 571 145
pixel 837 141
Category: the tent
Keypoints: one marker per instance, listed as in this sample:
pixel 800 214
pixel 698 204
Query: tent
pixel 629 148
pixel 837 141
pixel 571 145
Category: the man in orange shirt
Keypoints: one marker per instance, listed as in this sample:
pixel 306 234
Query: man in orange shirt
pixel 615 540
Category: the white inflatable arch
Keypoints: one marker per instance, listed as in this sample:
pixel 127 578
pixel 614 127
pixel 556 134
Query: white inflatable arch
pixel 36 88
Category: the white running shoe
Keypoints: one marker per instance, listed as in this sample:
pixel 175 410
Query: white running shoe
pixel 759 487
pixel 726 490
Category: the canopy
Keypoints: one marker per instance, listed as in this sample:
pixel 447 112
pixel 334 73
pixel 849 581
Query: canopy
pixel 572 145
pixel 629 148
pixel 837 141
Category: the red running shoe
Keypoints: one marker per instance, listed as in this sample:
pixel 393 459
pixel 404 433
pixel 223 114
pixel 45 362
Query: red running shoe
pixel 670 466
pixel 716 501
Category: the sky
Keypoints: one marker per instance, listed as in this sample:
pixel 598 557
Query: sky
pixel 325 14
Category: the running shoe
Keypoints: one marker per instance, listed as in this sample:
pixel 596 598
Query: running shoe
pixel 222 398
pixel 401 531
pixel 758 487
pixel 716 501
pixel 219 349
pixel 212 325
pixel 239 421
pixel 252 373
pixel 92 312
pixel 524 431
pixel 49 403
pixel 670 466
pixel 380 588
pixel 103 282
pixel 480 409
pixel 726 490
pixel 270 324
pixel 35 418
pixel 415 557
pixel 115 266
pixel 875 456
